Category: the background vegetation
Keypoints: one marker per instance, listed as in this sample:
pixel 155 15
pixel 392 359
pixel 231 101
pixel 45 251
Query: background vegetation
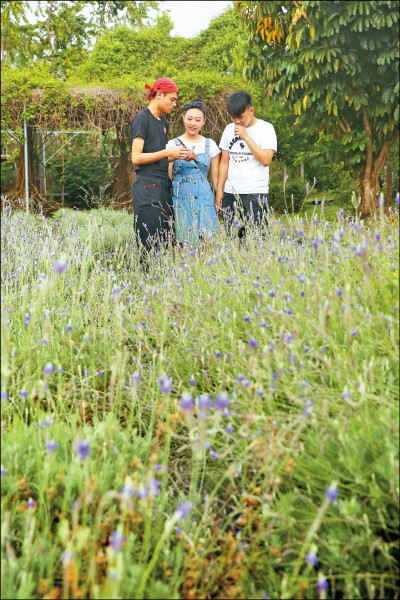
pixel 92 75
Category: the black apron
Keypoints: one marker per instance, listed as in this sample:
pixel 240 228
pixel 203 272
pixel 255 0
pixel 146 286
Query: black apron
pixel 153 209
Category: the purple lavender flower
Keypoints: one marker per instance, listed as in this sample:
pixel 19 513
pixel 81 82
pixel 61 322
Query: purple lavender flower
pixel 117 541
pixel 253 343
pixel 154 487
pixel 222 401
pixel 60 266
pixel 204 401
pixel 332 493
pixel 229 429
pixel 51 446
pixel 48 421
pixel 27 320
pixel 30 504
pixel 68 328
pixel 214 454
pixel 3 470
pixel 186 403
pixel 312 559
pixel 136 377
pixel 183 510
pixel 67 557
pixel 165 384
pixel 83 449
pixel 316 243
pixel 192 381
pixel 127 491
pixel 48 369
pixel 322 583
pixel 3 395
pixel 397 198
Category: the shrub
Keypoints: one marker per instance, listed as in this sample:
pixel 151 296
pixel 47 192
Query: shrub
pixel 295 195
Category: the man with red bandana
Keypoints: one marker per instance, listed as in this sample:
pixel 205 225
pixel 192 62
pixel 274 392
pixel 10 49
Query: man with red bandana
pixel 151 190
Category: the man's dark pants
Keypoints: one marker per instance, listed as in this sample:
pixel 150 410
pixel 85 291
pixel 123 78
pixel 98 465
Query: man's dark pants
pixel 239 209
pixel 153 210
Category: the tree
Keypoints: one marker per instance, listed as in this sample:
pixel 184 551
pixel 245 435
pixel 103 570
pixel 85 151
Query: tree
pixel 336 66
pixel 58 32
pixel 13 18
pixel 122 12
pixel 220 44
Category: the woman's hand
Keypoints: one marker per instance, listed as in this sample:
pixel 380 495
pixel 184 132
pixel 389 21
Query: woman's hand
pixel 192 156
pixel 180 152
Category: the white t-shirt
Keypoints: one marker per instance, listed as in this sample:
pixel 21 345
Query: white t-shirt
pixel 200 147
pixel 246 175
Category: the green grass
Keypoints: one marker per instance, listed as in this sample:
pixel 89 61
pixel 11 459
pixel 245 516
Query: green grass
pixel 298 328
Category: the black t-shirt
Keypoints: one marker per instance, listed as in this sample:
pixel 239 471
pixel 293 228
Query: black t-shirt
pixel 155 136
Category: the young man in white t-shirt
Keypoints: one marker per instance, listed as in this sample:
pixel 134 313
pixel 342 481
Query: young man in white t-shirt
pixel 248 146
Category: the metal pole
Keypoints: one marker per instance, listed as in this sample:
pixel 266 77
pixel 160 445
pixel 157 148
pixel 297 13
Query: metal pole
pixel 43 140
pixel 26 163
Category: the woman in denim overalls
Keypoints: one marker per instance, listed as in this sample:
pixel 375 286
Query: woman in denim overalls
pixel 193 198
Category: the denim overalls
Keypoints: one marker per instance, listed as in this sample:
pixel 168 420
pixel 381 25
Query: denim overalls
pixel 193 198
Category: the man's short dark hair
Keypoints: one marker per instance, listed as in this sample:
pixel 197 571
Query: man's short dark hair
pixel 238 103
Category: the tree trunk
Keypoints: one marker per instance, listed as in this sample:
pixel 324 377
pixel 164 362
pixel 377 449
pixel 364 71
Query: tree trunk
pixel 372 170
pixel 48 27
pixel 121 190
pixel 389 181
pixel 368 189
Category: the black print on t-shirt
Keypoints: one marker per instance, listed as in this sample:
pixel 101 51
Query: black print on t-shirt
pixel 242 156
pixel 235 139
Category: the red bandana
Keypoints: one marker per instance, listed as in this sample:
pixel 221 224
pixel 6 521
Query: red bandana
pixel 164 84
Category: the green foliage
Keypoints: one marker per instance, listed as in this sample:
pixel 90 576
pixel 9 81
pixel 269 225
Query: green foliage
pixel 87 174
pixel 289 201
pixel 112 12
pixel 335 64
pixel 219 46
pixel 8 175
pixel 61 34
pixel 13 23
pixel 150 53
pixel 110 228
pixel 17 88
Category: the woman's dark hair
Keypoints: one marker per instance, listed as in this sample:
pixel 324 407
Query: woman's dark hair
pixel 197 104
pixel 238 103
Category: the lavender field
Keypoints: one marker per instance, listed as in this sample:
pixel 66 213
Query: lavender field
pixel 224 425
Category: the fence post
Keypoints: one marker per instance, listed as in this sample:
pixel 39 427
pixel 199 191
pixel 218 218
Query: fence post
pixel 26 163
